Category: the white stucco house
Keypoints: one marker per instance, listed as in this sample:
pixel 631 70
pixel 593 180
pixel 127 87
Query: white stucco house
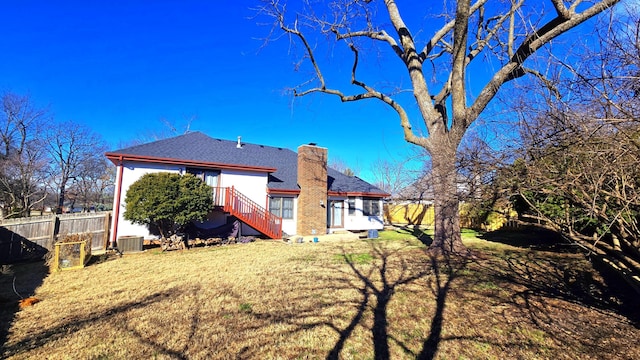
pixel 274 192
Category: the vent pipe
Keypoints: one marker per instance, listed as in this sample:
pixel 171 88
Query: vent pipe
pixel 239 146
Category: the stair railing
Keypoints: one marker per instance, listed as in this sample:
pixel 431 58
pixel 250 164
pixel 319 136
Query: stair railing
pixel 248 211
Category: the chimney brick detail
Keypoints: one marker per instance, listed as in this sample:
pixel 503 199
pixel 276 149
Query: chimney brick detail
pixel 312 201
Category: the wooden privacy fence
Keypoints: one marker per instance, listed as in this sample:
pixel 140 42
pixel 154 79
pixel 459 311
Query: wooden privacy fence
pixel 32 237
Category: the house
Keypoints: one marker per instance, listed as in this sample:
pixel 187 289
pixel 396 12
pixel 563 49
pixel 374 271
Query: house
pixel 274 192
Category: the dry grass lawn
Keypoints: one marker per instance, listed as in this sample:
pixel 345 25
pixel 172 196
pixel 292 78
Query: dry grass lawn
pixel 350 299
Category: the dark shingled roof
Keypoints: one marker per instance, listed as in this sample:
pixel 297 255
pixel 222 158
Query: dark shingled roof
pixel 198 147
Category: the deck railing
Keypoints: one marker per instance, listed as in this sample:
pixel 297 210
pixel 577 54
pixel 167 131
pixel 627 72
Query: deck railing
pixel 248 211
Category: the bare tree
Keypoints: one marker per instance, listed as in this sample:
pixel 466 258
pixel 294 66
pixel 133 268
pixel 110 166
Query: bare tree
pixel 22 156
pixel 505 34
pixel 71 146
pixel 479 184
pixel 340 165
pixel 579 171
pixel 167 129
pixel 580 176
pixel 93 187
pixel 394 176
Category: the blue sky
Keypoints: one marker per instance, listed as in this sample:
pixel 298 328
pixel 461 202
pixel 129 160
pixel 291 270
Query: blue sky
pixel 125 68
pixel 121 67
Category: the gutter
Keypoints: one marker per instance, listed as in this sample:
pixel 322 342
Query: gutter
pixel 358 193
pixel 114 157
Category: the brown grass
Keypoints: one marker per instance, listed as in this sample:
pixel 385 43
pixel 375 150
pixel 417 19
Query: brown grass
pixel 333 299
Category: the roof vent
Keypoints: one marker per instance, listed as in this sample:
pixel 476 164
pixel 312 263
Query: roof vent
pixel 239 145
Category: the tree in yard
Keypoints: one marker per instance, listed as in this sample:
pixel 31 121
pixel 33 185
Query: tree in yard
pixel 93 188
pixel 581 177
pixel 486 42
pixel 22 155
pixel 579 169
pixel 168 201
pixel 71 147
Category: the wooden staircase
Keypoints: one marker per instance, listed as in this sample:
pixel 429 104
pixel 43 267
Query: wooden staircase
pixel 248 211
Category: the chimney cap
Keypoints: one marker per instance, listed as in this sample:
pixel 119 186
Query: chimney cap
pixel 313 144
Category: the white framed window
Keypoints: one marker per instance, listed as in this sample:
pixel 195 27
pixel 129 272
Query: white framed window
pixel 210 177
pixel 351 204
pixel 370 207
pixel 281 206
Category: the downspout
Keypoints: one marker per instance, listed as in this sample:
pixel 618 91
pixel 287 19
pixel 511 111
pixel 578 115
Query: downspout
pixel 116 210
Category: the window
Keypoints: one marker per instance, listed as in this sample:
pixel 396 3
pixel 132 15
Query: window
pixel 351 203
pixel 370 207
pixel 281 206
pixel 210 177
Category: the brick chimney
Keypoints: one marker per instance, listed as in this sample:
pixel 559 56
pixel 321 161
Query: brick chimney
pixel 312 179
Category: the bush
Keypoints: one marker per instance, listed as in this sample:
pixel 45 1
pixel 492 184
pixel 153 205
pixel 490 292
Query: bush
pixel 168 201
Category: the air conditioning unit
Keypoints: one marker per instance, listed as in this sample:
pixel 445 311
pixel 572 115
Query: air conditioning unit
pixel 130 243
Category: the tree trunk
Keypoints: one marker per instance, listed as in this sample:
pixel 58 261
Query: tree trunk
pixel 61 194
pixel 446 238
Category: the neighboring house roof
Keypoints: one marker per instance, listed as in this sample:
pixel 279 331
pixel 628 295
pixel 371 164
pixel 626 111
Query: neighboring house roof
pixel 198 149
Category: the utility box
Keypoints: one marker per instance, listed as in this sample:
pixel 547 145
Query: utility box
pixel 130 243
pixel 373 234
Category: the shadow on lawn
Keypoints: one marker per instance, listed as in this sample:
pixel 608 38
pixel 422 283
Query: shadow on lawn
pixel 558 275
pixel 77 324
pixel 416 231
pixel 377 286
pixel 531 237
pixel 382 292
pixel 377 279
pixel 531 285
pixel 546 294
pixel 438 273
pixel 18 282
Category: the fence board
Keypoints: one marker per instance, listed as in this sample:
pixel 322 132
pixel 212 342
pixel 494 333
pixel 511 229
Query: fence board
pixel 25 238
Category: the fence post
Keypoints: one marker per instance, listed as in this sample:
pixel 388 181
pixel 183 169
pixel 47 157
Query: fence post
pixel 55 227
pixel 107 228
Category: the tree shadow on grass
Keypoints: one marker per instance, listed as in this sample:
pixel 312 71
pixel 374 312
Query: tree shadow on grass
pixel 377 288
pixel 552 298
pixel 417 231
pixel 377 279
pixel 445 272
pixel 531 237
pixel 359 290
pixel 17 282
pixel 561 278
pixel 380 285
pixel 545 296
pixel 77 324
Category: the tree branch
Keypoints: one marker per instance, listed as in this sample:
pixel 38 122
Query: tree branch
pixel 562 10
pixel 458 89
pixel 513 69
pixel 448 27
pixel 413 63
